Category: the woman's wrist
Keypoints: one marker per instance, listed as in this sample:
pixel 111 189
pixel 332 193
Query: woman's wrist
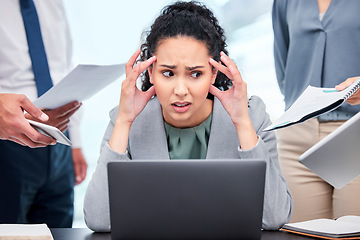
pixel 120 136
pixel 247 135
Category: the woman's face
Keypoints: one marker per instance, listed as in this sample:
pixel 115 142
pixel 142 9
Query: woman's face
pixel 182 76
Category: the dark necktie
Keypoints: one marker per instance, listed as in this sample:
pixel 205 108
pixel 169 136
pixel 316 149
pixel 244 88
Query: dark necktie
pixel 36 46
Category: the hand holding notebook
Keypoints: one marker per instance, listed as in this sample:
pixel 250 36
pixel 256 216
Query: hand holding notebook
pixel 354 99
pixel 313 102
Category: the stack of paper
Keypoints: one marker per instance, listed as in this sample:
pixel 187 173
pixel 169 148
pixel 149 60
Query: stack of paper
pixel 25 232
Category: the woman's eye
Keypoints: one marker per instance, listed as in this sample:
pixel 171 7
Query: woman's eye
pixel 196 74
pixel 168 73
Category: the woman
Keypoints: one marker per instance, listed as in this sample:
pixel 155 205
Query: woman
pixel 182 58
pixel 315 43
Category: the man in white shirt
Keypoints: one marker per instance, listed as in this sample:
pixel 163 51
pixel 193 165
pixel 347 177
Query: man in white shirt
pixel 37 183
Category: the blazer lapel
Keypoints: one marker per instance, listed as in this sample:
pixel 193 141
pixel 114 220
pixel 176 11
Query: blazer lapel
pixel 147 134
pixel 223 140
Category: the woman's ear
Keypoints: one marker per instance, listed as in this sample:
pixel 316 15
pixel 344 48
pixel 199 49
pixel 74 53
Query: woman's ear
pixel 214 75
pixel 150 71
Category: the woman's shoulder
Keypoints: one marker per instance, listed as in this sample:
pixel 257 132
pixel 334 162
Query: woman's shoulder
pixel 256 103
pixel 257 112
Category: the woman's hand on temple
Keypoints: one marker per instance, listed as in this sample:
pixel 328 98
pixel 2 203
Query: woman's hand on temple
pixel 235 101
pixel 132 102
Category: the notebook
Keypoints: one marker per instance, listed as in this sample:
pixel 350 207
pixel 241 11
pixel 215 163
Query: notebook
pixel 336 158
pixel 344 227
pixel 186 199
pixel 313 102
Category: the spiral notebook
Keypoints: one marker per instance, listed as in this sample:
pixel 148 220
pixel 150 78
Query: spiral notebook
pixel 313 102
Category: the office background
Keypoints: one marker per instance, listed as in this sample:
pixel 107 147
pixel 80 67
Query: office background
pixel 109 32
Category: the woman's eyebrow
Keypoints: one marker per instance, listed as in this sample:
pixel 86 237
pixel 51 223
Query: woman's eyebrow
pixel 189 68
pixel 193 68
pixel 168 66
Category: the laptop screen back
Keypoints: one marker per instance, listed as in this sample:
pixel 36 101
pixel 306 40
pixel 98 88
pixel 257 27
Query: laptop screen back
pixel 186 199
pixel 336 157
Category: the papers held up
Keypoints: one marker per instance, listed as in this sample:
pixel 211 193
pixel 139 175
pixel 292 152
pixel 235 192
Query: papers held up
pixel 80 84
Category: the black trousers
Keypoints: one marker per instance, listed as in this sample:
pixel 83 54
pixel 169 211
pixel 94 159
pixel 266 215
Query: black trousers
pixel 36 185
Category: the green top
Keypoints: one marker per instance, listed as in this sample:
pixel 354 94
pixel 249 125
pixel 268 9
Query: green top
pixel 188 143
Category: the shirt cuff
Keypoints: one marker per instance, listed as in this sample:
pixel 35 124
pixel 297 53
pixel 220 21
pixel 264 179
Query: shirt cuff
pixel 74 129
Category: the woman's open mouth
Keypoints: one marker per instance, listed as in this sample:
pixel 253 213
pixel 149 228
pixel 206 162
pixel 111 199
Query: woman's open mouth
pixel 181 106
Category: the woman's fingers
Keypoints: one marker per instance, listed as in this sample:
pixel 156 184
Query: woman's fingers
pixel 232 68
pixel 149 93
pixel 146 64
pixel 215 91
pixel 139 68
pixel 130 64
pixel 221 68
pixel 237 79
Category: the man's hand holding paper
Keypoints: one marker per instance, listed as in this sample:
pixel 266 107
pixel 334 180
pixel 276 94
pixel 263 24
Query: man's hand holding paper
pixel 64 99
pixel 59 117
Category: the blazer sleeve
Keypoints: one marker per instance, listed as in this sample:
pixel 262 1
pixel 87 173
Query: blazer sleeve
pixel 281 40
pixel 96 202
pixel 277 198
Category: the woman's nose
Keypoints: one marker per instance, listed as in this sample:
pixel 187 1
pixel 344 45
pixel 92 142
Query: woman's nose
pixel 181 88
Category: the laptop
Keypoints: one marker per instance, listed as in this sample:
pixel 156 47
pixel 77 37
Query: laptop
pixel 336 158
pixel 186 199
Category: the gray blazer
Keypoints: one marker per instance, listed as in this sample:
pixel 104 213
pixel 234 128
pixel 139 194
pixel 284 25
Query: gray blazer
pixel 147 140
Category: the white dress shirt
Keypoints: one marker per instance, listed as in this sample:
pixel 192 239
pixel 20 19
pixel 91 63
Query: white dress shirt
pixel 16 75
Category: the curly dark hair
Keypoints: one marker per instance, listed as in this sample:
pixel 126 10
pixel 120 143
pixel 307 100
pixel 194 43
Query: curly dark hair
pixel 190 19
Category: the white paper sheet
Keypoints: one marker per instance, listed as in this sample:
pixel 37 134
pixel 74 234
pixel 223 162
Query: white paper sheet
pixel 80 84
